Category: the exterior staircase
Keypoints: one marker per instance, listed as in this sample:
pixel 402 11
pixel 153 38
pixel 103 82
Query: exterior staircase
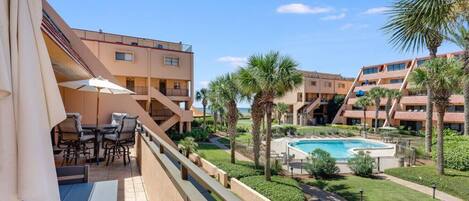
pixel 180 115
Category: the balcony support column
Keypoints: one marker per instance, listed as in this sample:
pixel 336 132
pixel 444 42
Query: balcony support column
pixel 181 127
pixel 188 126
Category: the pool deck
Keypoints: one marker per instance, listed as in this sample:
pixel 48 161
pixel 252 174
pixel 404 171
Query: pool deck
pixel 386 156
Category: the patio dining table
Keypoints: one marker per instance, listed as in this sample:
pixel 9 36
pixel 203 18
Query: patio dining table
pixel 99 132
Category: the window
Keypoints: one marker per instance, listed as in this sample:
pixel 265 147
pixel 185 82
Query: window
pixel 299 97
pixel 313 83
pixel 341 85
pixel 370 70
pixel 328 84
pixel 160 46
pixel 171 61
pixel 395 67
pixel 177 85
pixel 455 126
pixel 395 81
pixel 415 108
pixel 455 108
pixel 134 43
pixel 421 62
pixel 124 56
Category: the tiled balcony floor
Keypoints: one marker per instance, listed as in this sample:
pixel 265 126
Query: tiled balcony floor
pixel 130 184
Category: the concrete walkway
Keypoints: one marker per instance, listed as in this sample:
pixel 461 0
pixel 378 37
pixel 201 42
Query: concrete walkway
pixel 423 189
pixel 214 140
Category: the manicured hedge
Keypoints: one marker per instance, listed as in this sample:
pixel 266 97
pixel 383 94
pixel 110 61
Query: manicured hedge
pixel 279 189
pixel 453 182
pixel 456 152
pixel 238 170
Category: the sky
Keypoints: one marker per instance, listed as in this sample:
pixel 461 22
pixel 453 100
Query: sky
pixel 332 36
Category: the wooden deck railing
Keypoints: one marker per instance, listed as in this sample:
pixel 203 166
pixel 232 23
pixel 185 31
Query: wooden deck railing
pixel 181 171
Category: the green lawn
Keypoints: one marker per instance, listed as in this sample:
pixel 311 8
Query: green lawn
pixel 244 122
pixel 212 153
pixel 244 138
pixel 373 189
pixel 453 182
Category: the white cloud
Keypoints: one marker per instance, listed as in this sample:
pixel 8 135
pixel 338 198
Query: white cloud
pixel 234 61
pixel 377 10
pixel 299 8
pixel 204 83
pixel 349 26
pixel 334 17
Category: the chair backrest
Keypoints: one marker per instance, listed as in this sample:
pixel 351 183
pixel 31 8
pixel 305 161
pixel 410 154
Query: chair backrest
pixel 127 128
pixel 71 126
pixel 116 118
pixel 72 174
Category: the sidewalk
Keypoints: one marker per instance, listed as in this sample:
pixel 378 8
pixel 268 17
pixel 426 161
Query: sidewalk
pixel 424 189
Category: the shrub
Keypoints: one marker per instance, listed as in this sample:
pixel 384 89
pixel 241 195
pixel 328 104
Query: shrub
pixel 361 164
pixel 242 129
pixel 279 189
pixel 188 145
pixel 238 170
pixel 289 130
pixel 198 134
pixel 456 151
pixel 321 164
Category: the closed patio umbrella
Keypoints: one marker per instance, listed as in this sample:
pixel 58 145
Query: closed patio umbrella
pixel 98 85
pixel 30 105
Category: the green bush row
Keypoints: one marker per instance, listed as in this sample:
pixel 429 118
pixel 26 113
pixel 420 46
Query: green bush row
pixel 279 189
pixel 456 151
pixel 199 134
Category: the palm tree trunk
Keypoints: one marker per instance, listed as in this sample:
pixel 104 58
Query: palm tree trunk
pixel 376 116
pixel 232 121
pixel 440 161
pixel 256 115
pixel 466 89
pixel 388 111
pixel 364 123
pixel 205 110
pixel 215 119
pixel 429 122
pixel 268 110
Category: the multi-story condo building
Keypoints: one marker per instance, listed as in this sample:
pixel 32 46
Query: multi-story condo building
pixel 308 103
pixel 408 111
pixel 160 73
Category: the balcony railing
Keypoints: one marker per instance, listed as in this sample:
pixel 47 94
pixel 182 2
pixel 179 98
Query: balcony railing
pixel 177 92
pixel 139 90
pixel 191 182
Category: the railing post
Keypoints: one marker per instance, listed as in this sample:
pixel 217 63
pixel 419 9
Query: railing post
pixel 184 173
pixel 161 149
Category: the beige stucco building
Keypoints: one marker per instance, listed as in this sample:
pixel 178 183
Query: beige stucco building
pixel 409 111
pixel 308 103
pixel 161 73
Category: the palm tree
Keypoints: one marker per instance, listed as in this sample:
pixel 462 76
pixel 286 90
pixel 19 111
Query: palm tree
pixel 249 86
pixel 275 75
pixel 216 107
pixel 376 94
pixel 460 37
pixel 188 146
pixel 281 109
pixel 415 24
pixel 444 77
pixel 227 90
pixel 202 95
pixel 391 95
pixel 363 102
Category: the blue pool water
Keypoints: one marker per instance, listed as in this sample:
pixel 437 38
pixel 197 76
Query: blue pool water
pixel 339 149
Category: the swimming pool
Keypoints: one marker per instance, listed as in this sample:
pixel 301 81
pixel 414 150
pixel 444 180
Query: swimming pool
pixel 340 149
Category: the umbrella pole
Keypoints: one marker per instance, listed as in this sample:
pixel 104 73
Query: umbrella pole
pixel 97 108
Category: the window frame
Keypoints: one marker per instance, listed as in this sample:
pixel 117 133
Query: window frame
pixel 171 60
pixel 124 53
